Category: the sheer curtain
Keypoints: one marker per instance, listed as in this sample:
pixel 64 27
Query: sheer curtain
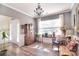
pixel 50 26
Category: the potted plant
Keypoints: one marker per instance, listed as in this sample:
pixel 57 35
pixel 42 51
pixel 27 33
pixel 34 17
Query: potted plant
pixel 37 36
pixel 4 50
pixel 63 29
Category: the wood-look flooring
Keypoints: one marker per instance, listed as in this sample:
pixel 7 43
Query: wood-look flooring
pixel 36 49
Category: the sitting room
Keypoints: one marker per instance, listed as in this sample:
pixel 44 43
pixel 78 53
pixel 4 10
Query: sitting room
pixel 40 29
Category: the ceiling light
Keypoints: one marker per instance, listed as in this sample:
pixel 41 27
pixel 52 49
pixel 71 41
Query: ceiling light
pixel 38 10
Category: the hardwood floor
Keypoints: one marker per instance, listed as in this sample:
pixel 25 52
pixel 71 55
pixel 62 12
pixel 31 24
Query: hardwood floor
pixel 14 50
pixel 36 49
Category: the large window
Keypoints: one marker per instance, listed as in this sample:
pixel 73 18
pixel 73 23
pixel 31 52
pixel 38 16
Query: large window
pixel 49 26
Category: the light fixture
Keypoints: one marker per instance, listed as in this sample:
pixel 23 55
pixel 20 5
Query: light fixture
pixel 38 10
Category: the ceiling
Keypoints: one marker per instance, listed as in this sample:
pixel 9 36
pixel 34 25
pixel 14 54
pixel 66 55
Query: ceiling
pixel 49 8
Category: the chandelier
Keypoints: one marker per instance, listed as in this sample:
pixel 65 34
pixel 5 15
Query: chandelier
pixel 38 10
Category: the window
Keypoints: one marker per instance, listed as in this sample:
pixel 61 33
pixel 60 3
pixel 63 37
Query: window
pixel 49 26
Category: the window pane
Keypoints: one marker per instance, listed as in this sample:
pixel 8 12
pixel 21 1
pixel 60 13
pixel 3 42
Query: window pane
pixel 49 26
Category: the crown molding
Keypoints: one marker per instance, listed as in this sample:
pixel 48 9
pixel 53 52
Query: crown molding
pixel 15 9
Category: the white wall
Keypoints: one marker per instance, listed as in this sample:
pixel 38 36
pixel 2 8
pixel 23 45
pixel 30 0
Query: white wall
pixel 26 20
pixel 4 22
pixel 14 31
